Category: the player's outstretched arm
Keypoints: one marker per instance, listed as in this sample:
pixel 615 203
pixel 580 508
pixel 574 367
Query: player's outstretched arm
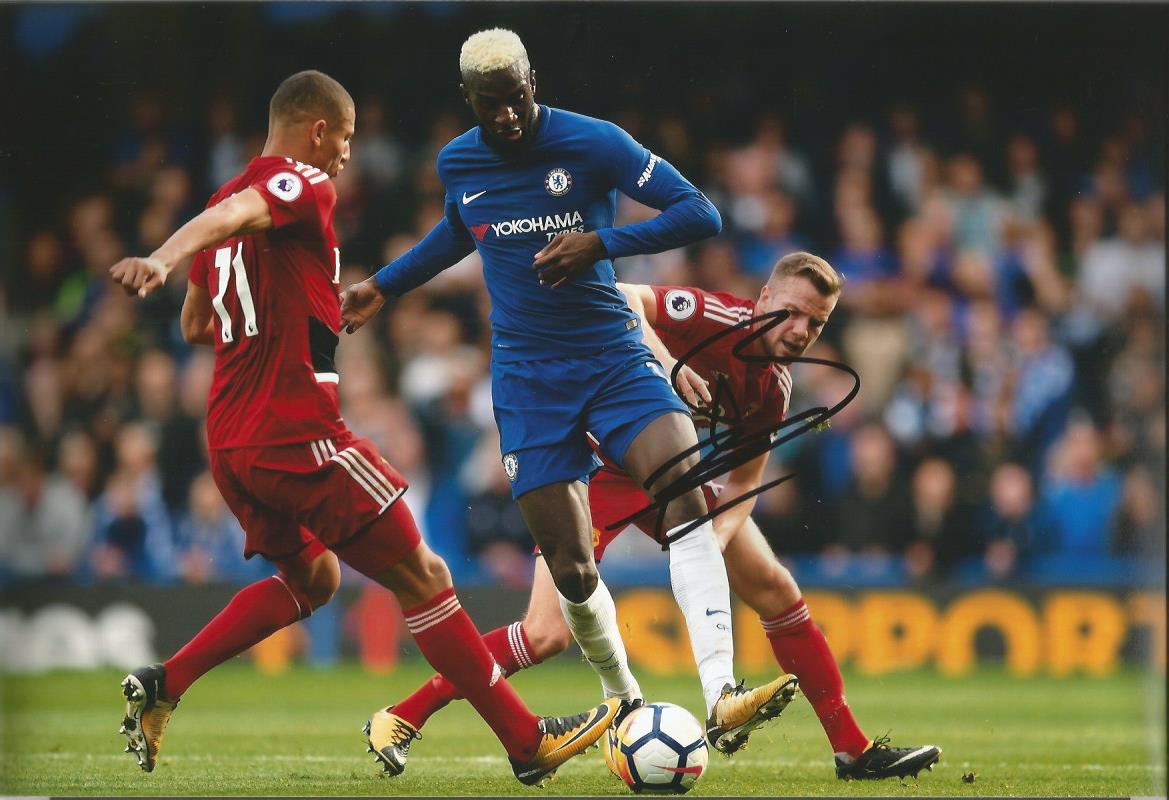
pixel 689 384
pixel 741 480
pixel 447 244
pixel 242 213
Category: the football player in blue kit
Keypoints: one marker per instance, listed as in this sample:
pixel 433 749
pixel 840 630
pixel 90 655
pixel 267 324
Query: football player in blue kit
pixel 534 190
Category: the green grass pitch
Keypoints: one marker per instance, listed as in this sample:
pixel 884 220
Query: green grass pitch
pixel 241 733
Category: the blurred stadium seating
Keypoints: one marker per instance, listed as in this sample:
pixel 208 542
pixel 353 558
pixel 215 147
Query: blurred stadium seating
pixel 1000 222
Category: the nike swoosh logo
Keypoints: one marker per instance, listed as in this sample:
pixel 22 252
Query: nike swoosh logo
pixel 919 751
pixel 469 198
pixel 710 612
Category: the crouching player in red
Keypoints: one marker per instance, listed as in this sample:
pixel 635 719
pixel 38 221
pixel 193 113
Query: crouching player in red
pixel 263 290
pixel 679 320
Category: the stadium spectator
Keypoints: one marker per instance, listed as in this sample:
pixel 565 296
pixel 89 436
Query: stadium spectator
pixel 180 455
pixel 943 525
pixel 1011 524
pixel 226 154
pixel 1082 494
pixel 766 163
pixel 1042 375
pixel 978 211
pixel 977 130
pixel 1027 194
pixel 150 141
pixel 44 520
pixel 781 517
pixel 1139 527
pixel 210 541
pixel 43 272
pixel 77 462
pixel 905 160
pixel 875 515
pixel 1136 390
pixel 1114 270
pixel 133 536
pixel 876 339
pixel 496 532
pixel 775 237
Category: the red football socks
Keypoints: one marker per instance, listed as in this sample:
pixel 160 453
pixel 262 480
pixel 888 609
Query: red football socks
pixel 255 613
pixel 509 647
pixel 452 645
pixel 800 648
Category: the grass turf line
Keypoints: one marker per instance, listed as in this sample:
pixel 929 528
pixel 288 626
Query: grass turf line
pixel 241 733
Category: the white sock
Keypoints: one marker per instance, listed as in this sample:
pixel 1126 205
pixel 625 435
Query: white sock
pixel 698 577
pixel 594 626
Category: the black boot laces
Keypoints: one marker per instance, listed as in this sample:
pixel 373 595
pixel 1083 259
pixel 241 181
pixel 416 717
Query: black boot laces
pixel 558 726
pixel 405 735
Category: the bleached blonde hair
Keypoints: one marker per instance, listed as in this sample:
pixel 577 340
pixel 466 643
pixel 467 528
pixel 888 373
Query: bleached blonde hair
pixel 493 50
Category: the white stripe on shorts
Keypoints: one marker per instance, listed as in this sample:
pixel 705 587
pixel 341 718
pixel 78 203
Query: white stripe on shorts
pixel 380 496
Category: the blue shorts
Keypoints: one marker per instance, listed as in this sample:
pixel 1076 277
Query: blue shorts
pixel 544 409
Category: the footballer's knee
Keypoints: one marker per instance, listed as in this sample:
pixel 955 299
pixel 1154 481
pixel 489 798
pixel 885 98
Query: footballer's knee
pixel 433 573
pixel 685 508
pixel 323 581
pixel 313 583
pixel 417 578
pixel 773 590
pixel 781 584
pixel 548 637
pixel 576 580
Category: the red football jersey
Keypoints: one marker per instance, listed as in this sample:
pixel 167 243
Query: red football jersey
pixel 277 313
pixel 686 317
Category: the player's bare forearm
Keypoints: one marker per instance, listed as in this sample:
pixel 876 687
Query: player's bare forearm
pixel 648 334
pixel 242 213
pixel 206 336
pixel 641 300
pixel 742 480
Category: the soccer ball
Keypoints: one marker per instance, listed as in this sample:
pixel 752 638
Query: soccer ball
pixel 659 747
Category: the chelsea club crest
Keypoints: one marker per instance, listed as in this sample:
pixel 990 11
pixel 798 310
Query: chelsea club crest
pixel 558 181
pixel 511 465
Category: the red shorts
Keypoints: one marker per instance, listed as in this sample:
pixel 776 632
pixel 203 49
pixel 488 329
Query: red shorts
pixel 614 495
pixel 298 499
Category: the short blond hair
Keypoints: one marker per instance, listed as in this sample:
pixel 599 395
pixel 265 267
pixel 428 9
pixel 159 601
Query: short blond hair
pixel 823 275
pixel 493 50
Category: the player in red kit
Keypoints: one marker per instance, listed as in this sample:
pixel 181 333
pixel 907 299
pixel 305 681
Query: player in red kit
pixel 263 290
pixel 753 397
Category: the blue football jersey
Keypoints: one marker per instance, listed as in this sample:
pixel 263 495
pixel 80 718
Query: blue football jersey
pixel 509 206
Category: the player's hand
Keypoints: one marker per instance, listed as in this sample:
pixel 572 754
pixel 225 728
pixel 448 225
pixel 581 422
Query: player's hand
pixel 689 385
pixel 360 302
pixel 140 276
pixel 566 255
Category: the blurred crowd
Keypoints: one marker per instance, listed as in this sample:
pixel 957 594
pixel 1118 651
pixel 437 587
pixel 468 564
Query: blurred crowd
pixel 1004 307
